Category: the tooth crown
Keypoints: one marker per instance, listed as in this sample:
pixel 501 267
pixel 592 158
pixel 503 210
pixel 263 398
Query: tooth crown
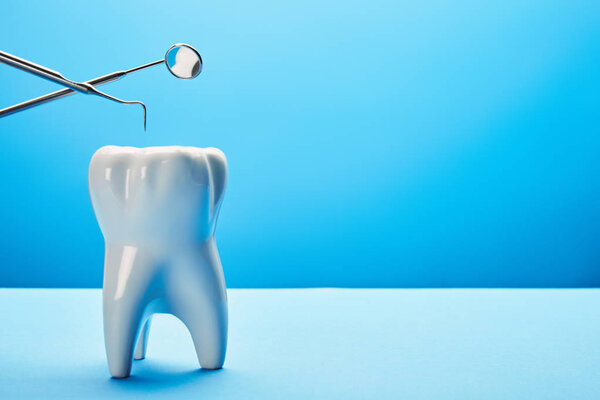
pixel 157 209
pixel 158 193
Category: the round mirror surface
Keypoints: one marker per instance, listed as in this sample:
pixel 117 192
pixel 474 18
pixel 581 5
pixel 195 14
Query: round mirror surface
pixel 183 61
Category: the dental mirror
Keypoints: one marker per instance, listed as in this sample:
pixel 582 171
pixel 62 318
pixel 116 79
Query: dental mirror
pixel 182 60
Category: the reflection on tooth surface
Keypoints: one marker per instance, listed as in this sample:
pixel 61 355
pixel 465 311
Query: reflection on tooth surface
pixel 127 176
pixel 125 269
pixel 157 209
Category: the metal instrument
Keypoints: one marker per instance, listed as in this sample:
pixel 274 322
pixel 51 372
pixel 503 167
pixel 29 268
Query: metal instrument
pixel 182 60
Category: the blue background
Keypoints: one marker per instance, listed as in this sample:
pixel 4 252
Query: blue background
pixel 370 143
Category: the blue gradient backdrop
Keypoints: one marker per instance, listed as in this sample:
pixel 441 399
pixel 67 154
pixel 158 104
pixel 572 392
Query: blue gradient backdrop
pixel 370 143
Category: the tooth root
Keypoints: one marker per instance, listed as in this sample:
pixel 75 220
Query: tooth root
pixel 124 304
pixel 121 324
pixel 201 303
pixel 142 344
pixel 208 328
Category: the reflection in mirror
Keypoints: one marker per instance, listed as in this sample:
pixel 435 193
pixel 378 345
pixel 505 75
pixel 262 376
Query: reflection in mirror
pixel 183 61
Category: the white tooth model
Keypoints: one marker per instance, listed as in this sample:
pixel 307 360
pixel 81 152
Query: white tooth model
pixel 157 208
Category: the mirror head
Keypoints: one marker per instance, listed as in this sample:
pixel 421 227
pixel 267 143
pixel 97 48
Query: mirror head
pixel 183 61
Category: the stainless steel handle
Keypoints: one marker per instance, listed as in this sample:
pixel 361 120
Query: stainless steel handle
pixel 41 71
pixel 57 77
pixel 59 94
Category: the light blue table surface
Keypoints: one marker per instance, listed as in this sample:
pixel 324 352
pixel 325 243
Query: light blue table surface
pixel 324 343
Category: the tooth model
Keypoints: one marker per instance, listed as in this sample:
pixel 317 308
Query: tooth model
pixel 157 208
